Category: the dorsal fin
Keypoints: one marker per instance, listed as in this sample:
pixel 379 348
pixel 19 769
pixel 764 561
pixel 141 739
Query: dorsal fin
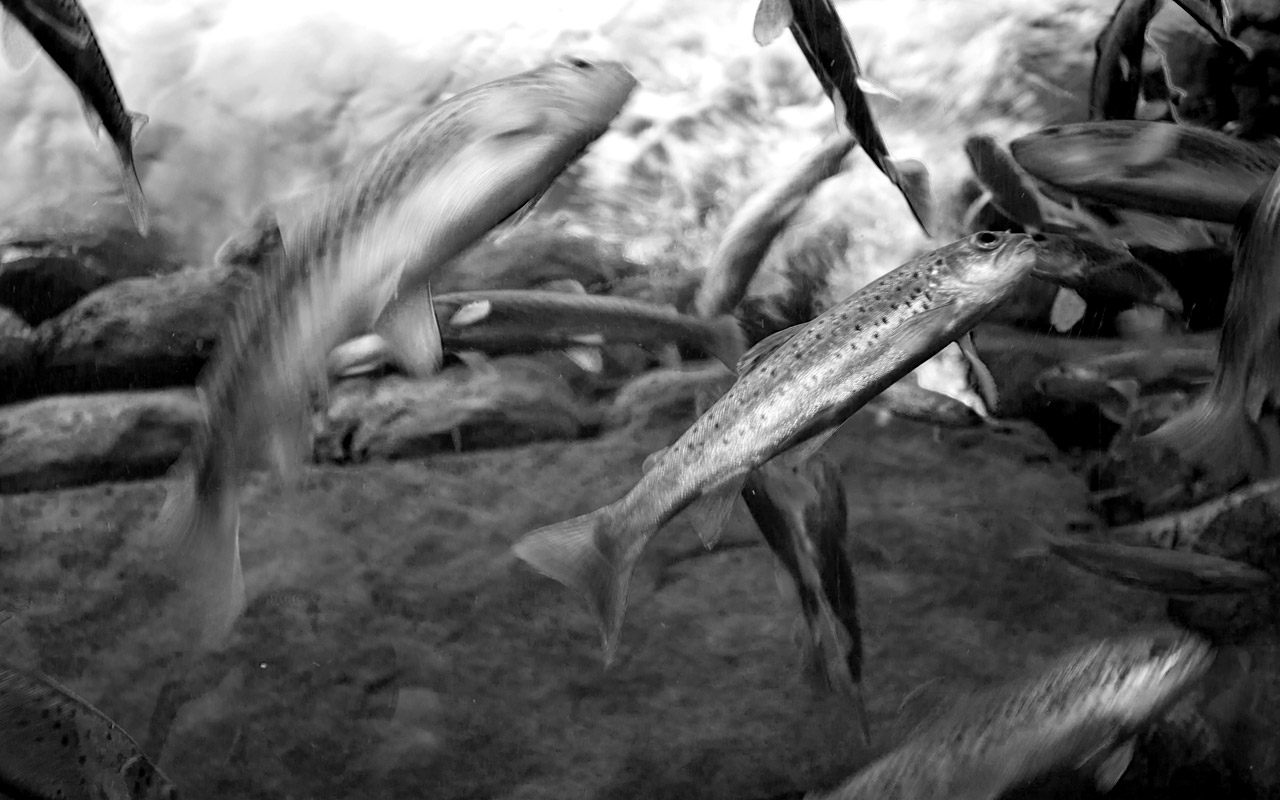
pixel 765 347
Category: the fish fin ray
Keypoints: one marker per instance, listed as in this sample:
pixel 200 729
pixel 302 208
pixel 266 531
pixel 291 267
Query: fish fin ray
pixel 982 376
pixel 1113 766
pixel 728 342
pixel 1214 433
pixel 570 553
pixel 798 454
pixel 134 198
pixel 712 509
pixel 772 18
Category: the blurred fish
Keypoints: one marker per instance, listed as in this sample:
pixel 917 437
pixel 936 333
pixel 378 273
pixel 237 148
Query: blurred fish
pixel 1082 711
pixel 794 390
pixel 909 400
pixel 358 254
pixel 1107 271
pixel 758 222
pixel 63 30
pixel 1176 572
pixel 1221 431
pixel 501 322
pixel 1117 66
pixel 822 38
pixel 1160 367
pixel 1010 191
pixel 1200 173
pixel 1070 383
pixel 803 515
pixel 55 746
pixel 1215 17
pixel 1181 530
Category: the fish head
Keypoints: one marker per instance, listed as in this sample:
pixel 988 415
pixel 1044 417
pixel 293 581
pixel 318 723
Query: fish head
pixel 980 270
pixel 1104 269
pixel 572 100
pixel 1141 675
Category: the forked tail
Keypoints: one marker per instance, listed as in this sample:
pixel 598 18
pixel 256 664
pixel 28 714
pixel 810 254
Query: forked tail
pixel 1218 436
pixel 589 555
pixel 198 528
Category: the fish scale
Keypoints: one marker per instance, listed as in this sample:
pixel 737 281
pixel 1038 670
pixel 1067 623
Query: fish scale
pixel 794 389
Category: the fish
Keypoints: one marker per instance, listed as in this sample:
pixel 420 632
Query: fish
pixel 803 515
pixel 54 745
pixel 1117 67
pixel 757 223
pixel 1108 271
pixel 63 31
pixel 1165 366
pixel 821 36
pixel 1182 530
pixel 1223 431
pixel 1010 190
pixel 1083 710
pixel 909 400
pixel 1215 17
pixel 1201 174
pixel 358 254
pixel 1174 572
pixel 794 389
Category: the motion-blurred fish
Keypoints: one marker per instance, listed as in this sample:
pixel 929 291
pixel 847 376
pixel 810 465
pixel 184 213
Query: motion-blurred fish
pixel 1196 173
pixel 803 514
pixel 794 389
pixel 1221 430
pixel 1158 368
pixel 909 400
pixel 1108 271
pixel 822 38
pixel 1181 530
pixel 55 746
pixel 1010 191
pixel 63 30
pixel 1117 66
pixel 1176 572
pixel 758 222
pixel 1083 711
pixel 357 255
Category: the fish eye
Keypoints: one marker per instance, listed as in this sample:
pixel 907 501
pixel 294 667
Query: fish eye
pixel 986 239
pixel 579 63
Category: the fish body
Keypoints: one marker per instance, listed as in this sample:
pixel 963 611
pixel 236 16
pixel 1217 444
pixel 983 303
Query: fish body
pixel 1221 431
pixel 1198 172
pixel 909 400
pixel 1174 572
pixel 757 224
pixel 803 515
pixel 357 255
pixel 63 30
pixel 821 36
pixel 793 389
pixel 55 746
pixel 498 322
pixel 1154 369
pixel 1182 530
pixel 1117 70
pixel 1010 190
pixel 1082 711
pixel 1108 271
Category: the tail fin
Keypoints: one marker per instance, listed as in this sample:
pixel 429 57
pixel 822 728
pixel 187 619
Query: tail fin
pixel 199 531
pixel 133 196
pixel 1216 435
pixel 589 555
pixel 728 342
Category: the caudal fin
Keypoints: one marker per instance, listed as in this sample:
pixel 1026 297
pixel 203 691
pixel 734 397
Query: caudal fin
pixel 584 554
pixel 1215 435
pixel 728 342
pixel 133 196
pixel 198 530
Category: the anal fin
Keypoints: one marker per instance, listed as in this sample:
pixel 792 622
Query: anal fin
pixel 711 511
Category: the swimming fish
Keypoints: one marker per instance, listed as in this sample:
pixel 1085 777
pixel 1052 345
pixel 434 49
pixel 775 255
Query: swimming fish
pixel 1193 172
pixel 360 254
pixel 63 30
pixel 1117 65
pixel 793 390
pixel 1082 711
pixel 1181 530
pixel 55 746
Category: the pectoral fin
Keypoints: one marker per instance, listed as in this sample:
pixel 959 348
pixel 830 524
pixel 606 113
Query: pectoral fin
pixel 17 42
pixel 1113 766
pixel 711 511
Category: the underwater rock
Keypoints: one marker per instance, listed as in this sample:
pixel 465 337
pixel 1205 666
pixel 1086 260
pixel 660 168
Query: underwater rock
pixel 17 353
pixel 76 440
pixel 142 333
pixel 251 247
pixel 504 402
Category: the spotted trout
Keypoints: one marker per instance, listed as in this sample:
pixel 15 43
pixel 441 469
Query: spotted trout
pixel 794 389
pixel 1180 170
pixel 62 29
pixel 354 256
pixel 1083 711
pixel 55 746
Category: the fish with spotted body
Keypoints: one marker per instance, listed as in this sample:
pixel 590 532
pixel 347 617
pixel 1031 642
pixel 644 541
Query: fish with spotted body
pixel 794 389
pixel 55 746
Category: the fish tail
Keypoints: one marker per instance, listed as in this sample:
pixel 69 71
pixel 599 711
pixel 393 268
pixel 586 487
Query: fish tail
pixel 198 529
pixel 588 554
pixel 728 342
pixel 133 196
pixel 1215 434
